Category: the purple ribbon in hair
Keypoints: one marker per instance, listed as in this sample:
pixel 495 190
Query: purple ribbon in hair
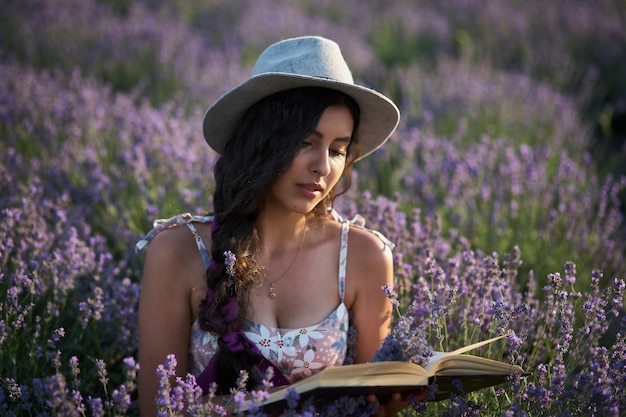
pixel 236 341
pixel 214 226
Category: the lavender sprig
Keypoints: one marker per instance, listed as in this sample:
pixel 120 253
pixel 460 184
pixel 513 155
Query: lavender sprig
pixel 406 342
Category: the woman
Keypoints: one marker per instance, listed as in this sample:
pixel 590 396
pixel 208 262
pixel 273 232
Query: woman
pixel 270 279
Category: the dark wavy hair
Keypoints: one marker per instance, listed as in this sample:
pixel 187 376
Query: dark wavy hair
pixel 264 144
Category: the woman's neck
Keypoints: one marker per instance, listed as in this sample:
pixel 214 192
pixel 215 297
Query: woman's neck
pixel 280 233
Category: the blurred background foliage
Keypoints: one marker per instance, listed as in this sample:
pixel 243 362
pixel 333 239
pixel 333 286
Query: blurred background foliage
pixel 544 74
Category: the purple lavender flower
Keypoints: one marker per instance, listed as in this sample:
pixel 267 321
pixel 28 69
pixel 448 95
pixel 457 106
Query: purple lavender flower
pixel 77 399
pixel 230 261
pixel 15 392
pixel 75 371
pixel 177 397
pixel 258 396
pixel 391 294
pixel 239 400
pixel 102 372
pixel 163 400
pixel 131 373
pixel 406 342
pixel 292 398
pixel 514 341
pixel 96 406
pixel 121 399
pixel 347 406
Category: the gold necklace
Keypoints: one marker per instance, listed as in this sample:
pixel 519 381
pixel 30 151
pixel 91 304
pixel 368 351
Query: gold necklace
pixel 272 290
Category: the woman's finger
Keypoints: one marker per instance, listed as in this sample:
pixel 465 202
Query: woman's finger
pixel 393 406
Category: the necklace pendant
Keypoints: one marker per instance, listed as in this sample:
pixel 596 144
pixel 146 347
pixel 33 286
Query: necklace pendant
pixel 272 293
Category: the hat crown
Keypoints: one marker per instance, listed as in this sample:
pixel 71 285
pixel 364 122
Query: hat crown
pixel 311 56
pixel 309 61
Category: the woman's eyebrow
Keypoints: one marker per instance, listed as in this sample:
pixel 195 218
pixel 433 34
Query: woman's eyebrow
pixel 346 139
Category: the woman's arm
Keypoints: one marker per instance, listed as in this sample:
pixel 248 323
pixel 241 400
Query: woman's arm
pixel 165 314
pixel 370 268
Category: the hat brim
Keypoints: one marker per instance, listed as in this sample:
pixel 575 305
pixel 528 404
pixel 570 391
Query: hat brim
pixel 379 115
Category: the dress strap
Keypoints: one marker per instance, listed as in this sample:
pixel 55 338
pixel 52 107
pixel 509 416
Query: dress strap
pixel 343 258
pixel 187 219
pixel 359 221
pixel 204 252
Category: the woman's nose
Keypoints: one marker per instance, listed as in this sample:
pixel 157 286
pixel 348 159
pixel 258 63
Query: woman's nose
pixel 321 163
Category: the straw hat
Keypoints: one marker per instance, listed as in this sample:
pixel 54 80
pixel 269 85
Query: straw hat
pixel 309 61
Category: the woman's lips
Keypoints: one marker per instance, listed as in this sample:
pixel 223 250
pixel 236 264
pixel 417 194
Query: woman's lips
pixel 311 190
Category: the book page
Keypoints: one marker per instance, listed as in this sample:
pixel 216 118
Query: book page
pixel 474 365
pixel 359 376
pixel 435 361
pixel 366 374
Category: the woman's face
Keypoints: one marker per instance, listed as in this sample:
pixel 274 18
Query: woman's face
pixel 318 166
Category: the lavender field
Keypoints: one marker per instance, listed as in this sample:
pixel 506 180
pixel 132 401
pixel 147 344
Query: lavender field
pixel 504 187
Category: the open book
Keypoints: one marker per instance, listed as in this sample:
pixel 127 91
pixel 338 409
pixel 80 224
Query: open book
pixel 451 372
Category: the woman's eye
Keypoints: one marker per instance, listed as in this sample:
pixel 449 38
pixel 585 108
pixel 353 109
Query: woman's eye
pixel 338 152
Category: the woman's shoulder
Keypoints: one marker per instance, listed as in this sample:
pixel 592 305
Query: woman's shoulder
pixel 368 239
pixel 175 242
pixel 364 238
pixel 366 248
pixel 173 224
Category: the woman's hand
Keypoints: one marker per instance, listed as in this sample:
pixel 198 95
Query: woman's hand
pixel 395 404
pixel 390 408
